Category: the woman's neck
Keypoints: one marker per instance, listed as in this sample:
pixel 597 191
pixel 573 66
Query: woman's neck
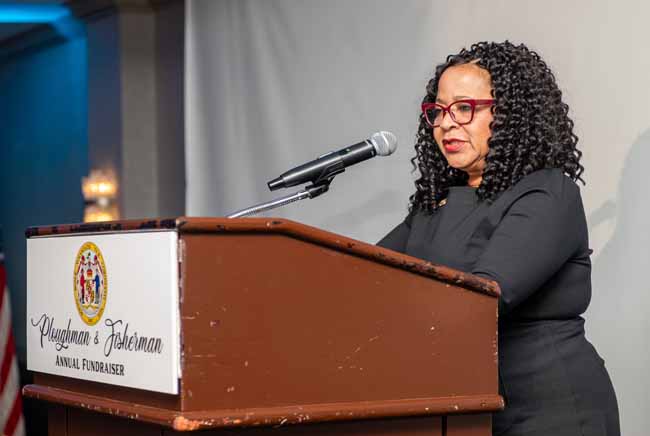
pixel 474 180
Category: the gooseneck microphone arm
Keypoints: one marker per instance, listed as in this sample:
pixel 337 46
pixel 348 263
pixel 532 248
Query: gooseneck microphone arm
pixel 311 191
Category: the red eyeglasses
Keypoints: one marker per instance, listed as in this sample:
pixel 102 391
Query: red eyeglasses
pixel 461 111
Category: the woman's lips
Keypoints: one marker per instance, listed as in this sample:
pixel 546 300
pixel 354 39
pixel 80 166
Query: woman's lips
pixel 453 145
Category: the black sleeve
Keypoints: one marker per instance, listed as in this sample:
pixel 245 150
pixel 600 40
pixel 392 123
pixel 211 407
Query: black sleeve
pixel 541 230
pixel 397 238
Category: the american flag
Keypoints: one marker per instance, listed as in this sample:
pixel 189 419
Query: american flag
pixel 11 416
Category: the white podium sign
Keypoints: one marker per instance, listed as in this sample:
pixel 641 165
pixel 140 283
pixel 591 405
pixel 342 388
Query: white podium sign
pixel 105 308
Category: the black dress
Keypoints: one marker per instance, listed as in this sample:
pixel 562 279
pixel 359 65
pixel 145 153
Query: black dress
pixel 532 240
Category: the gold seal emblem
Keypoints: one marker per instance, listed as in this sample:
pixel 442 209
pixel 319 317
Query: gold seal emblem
pixel 90 283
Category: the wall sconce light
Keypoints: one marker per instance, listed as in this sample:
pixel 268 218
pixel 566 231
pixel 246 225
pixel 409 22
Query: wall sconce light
pixel 100 192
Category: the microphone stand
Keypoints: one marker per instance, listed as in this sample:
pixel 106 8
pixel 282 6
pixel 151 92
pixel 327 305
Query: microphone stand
pixel 311 191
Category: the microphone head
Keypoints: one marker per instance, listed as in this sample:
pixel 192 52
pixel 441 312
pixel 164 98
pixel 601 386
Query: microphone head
pixel 385 143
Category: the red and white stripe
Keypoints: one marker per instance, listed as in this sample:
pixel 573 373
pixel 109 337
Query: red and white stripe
pixel 11 416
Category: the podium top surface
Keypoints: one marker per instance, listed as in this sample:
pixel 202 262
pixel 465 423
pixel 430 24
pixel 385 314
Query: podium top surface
pixel 199 225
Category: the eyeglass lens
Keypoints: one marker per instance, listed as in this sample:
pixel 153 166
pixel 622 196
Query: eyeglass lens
pixel 461 112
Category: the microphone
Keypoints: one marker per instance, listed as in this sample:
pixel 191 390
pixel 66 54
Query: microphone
pixel 333 163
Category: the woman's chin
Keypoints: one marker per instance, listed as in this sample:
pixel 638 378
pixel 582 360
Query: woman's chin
pixel 469 163
pixel 459 162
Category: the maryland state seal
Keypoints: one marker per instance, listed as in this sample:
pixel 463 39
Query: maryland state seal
pixel 90 283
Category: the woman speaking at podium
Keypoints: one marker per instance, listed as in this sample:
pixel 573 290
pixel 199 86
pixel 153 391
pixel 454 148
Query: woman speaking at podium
pixel 497 197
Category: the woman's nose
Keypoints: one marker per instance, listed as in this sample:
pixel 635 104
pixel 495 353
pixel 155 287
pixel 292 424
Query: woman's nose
pixel 447 121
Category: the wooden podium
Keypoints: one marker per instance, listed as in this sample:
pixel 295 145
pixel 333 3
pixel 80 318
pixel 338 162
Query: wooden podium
pixel 287 329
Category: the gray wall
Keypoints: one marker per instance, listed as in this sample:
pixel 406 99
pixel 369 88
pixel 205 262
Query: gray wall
pixel 272 84
pixel 136 118
pixel 170 107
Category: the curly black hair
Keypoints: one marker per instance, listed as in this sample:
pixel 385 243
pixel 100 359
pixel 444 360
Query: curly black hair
pixel 531 128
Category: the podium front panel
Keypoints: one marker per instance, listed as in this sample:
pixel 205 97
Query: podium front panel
pixel 271 320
